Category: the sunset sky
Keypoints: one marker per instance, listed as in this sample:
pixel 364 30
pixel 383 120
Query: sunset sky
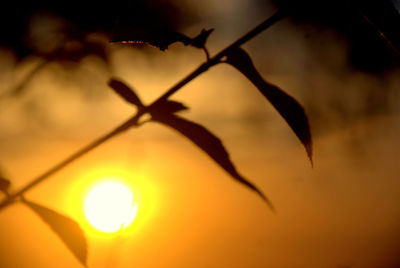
pixel 343 212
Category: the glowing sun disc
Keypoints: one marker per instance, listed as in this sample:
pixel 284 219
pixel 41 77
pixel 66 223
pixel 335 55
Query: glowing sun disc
pixel 109 207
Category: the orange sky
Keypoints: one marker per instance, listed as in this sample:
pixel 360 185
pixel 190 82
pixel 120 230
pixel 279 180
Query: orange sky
pixel 345 211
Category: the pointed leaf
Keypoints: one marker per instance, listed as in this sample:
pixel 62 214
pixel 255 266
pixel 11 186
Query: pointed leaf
pixel 207 142
pixel 152 35
pixel 125 92
pixel 66 228
pixel 200 40
pixel 4 185
pixel 285 104
pixel 167 107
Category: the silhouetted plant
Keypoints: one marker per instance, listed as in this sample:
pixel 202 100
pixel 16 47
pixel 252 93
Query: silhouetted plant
pixel 66 228
pixel 164 111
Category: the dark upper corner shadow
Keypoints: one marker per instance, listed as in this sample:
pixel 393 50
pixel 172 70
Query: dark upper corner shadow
pixel 80 18
pixel 370 27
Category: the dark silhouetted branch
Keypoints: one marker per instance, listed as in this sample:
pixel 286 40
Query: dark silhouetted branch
pixel 133 121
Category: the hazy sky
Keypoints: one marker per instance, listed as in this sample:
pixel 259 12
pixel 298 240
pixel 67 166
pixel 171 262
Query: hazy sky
pixel 344 212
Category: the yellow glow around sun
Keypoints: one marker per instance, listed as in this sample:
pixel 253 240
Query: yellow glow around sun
pixel 109 207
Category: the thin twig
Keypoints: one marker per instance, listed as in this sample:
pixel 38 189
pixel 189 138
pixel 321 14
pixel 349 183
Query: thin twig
pixel 124 126
pixel 133 121
pixel 207 53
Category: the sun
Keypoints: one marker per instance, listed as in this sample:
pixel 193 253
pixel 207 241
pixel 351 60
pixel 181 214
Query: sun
pixel 109 207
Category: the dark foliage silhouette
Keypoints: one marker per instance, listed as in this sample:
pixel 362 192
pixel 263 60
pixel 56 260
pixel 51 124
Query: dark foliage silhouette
pixel 167 107
pixel 357 19
pixel 200 40
pixel 69 42
pixel 207 142
pixel 285 104
pixel 82 17
pixel 163 111
pixel 157 37
pixel 125 92
pixel 66 228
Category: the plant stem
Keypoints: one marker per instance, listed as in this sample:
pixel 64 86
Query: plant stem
pixel 134 119
pixel 121 128
pixel 216 59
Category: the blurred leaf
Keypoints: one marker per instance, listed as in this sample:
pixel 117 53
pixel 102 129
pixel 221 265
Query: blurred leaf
pixel 74 49
pixel 209 143
pixel 4 185
pixel 285 104
pixel 167 107
pixel 200 40
pixel 125 92
pixel 155 36
pixel 66 228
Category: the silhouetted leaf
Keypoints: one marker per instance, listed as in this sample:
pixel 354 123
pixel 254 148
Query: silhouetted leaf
pixel 200 40
pixel 167 107
pixel 209 143
pixel 152 35
pixel 4 185
pixel 285 104
pixel 125 92
pixel 66 228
